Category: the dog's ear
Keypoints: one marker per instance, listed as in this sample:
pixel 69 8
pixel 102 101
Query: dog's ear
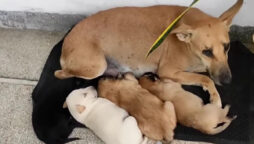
pixel 183 33
pixel 228 15
pixel 65 105
pixel 80 108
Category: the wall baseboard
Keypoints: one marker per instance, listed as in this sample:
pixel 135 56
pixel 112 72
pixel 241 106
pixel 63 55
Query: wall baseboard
pixel 63 22
pixel 40 21
pixel 243 34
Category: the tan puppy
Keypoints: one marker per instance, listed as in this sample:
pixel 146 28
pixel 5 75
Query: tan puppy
pixel 155 118
pixel 190 110
pixel 118 39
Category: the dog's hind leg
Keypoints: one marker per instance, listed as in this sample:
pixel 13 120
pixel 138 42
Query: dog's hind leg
pixel 227 121
pixel 86 61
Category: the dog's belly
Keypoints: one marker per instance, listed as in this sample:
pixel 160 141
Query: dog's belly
pixel 115 67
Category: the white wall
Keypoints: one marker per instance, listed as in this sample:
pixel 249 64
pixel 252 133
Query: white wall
pixel 87 7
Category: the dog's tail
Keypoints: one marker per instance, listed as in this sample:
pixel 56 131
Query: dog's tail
pixel 222 127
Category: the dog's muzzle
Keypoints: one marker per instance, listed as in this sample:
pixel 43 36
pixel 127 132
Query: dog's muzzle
pixel 225 76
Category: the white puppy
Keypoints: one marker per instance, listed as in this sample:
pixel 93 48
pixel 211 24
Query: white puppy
pixel 111 123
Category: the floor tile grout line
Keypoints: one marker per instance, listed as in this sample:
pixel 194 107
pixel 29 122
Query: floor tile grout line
pixel 18 81
pixel 18 78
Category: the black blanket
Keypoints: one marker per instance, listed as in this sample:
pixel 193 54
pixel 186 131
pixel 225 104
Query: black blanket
pixel 238 94
pixel 51 123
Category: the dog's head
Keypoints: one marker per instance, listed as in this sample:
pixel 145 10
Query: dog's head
pixel 208 38
pixel 79 100
pixel 110 87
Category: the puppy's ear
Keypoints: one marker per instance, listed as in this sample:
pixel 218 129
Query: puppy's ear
pixel 93 91
pixel 65 105
pixel 80 108
pixel 183 33
pixel 228 15
pixel 130 76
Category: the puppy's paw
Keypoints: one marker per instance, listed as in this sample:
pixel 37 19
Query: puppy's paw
pixel 227 107
pixel 119 75
pixel 147 140
pixel 130 76
pixel 61 74
pixel 205 88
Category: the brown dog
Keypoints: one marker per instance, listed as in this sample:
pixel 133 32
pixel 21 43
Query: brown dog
pixel 155 118
pixel 190 110
pixel 118 39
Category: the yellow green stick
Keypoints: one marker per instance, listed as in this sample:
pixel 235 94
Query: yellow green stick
pixel 165 33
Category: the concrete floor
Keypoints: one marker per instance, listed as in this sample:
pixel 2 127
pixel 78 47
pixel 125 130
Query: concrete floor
pixel 22 56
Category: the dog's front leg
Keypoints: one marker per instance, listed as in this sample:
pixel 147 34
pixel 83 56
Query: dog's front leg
pixel 188 78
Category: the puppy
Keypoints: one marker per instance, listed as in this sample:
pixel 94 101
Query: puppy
pixel 156 119
pixel 111 123
pixel 51 123
pixel 118 39
pixel 190 110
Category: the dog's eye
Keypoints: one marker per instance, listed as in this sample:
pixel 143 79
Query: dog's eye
pixel 226 47
pixel 208 52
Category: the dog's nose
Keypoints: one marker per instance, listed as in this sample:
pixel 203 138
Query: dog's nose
pixel 225 77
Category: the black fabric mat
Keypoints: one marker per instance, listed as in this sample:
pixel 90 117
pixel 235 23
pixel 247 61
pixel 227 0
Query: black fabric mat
pixel 238 94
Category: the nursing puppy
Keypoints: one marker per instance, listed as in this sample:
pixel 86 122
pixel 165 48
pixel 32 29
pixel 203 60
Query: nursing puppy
pixel 118 39
pixel 155 118
pixel 111 123
pixel 190 110
pixel 51 123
